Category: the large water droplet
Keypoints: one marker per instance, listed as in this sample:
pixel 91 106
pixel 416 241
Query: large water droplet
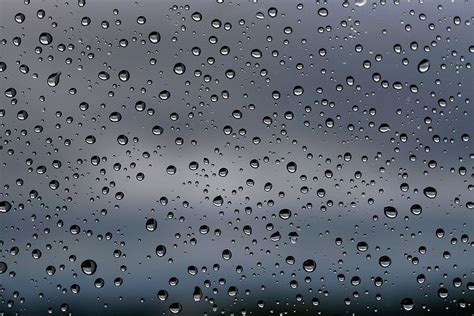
pixel 160 250
pixel 175 308
pixel 88 267
pixel 151 224
pixel 3 267
pixel 385 261
pixel 53 79
pixel 309 265
pixel 390 211
pixel 291 167
pixel 407 304
pixel 424 66
pixel 5 206
pixel 430 192
pixel 45 38
pixel 154 37
pixel 179 68
pixel 218 201
pixel 384 128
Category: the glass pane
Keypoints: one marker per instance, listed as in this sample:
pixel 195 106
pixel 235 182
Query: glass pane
pixel 236 157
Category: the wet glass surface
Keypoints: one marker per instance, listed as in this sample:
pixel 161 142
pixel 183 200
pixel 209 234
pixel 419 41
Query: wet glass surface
pixel 236 157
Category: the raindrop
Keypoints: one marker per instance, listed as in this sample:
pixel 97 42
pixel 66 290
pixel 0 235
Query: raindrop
pixel 323 12
pixel 88 267
pixel 160 251
pixel 407 304
pixel 154 37
pixel 3 267
pixel 179 68
pixel 45 38
pixel 256 53
pixel 226 254
pixel 164 95
pixel 284 213
pixel 385 261
pixel 124 75
pixel 171 170
pixel 5 207
pixel 291 167
pixel 218 201
pixel 53 79
pixel 384 128
pixel 115 117
pixel 430 192
pixel 175 308
pixel 151 224
pixel 390 212
pixel 416 209
pixel 19 18
pixel 423 65
pixel 309 265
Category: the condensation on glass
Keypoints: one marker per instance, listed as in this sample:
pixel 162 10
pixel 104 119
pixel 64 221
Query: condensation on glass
pixel 236 157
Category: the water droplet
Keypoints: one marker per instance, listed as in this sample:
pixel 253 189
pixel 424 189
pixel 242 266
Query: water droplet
pixel 323 12
pixel 157 130
pixel 196 16
pixel 407 304
pixel 423 65
pixel 430 192
pixel 284 213
pixel 19 18
pixel 390 212
pixel 309 265
pixel 5 207
pixel 197 294
pixel 160 251
pixel 385 261
pixel 416 209
pixel 256 53
pixel 384 128
pixel 154 37
pixel 103 75
pixel 171 170
pixel 45 38
pixel 115 117
pixel 179 68
pixel 218 201
pixel 164 95
pixel 291 167
pixel 298 90
pixel 362 246
pixel 124 75
pixel 151 224
pixel 3 267
pixel 226 254
pixel 53 79
pixel 88 267
pixel 175 308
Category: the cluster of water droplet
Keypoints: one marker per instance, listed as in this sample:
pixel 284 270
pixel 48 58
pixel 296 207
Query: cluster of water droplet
pixel 241 158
